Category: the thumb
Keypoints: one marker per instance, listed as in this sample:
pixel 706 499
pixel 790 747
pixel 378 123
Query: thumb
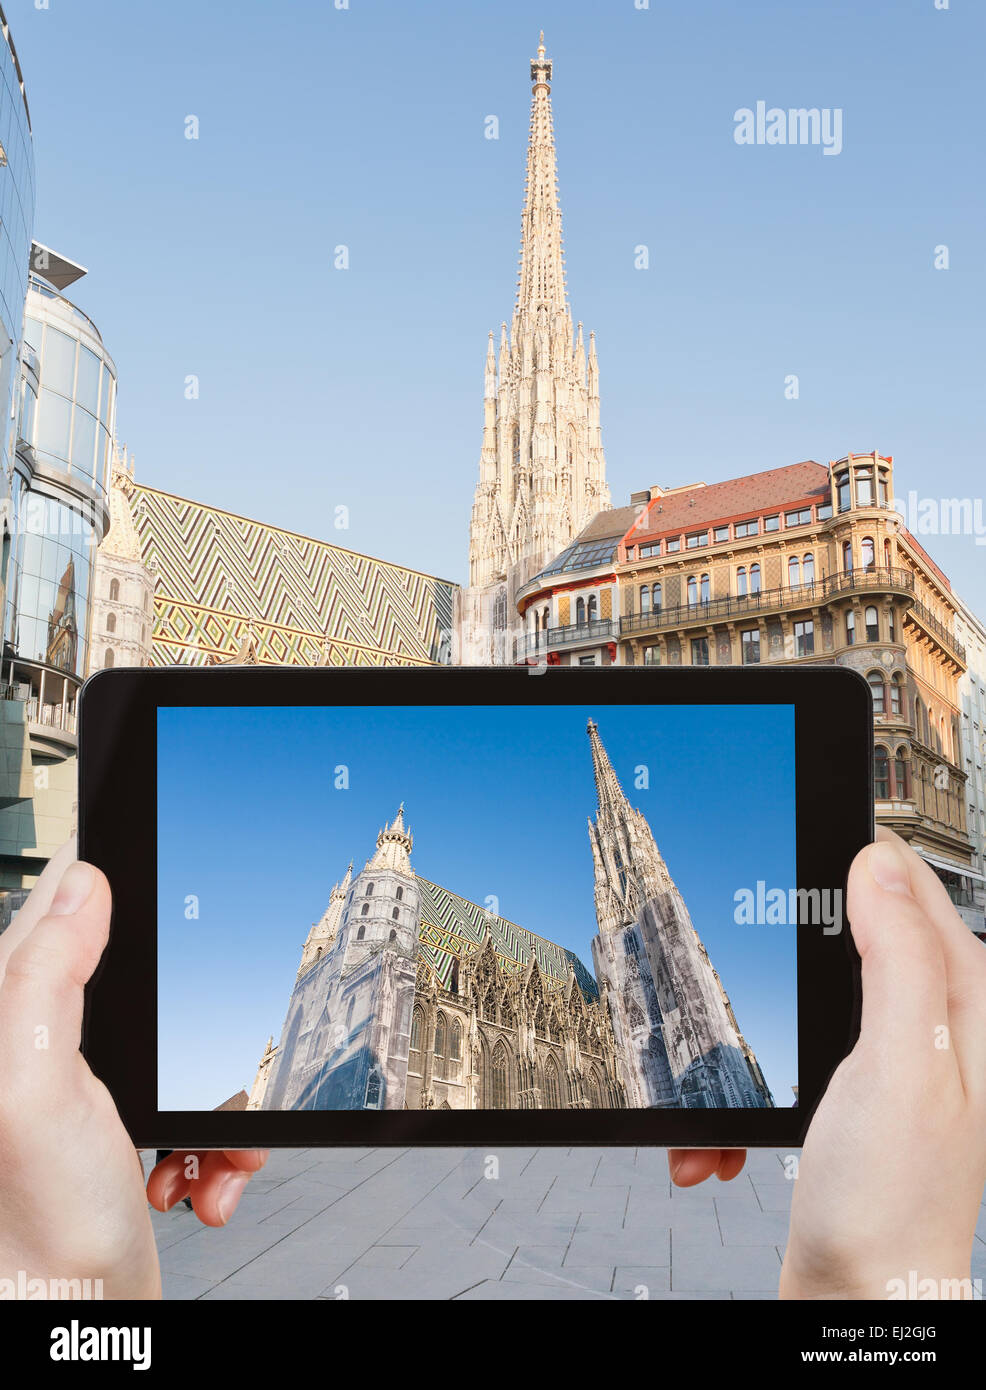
pixel 903 967
pixel 41 999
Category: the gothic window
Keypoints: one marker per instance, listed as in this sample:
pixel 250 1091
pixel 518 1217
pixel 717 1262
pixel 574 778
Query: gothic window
pixel 592 1091
pixel 635 1016
pixel 361 933
pixel 365 910
pixel 440 1034
pixel 552 1090
pixel 499 1079
pixel 373 1091
pixel 455 1041
pixel 417 1031
pixel 114 589
pixel 545 620
pixel 395 914
pixel 516 446
pixel 108 658
pixel 369 890
pixel 399 894
pixel 111 622
pixel 489 1008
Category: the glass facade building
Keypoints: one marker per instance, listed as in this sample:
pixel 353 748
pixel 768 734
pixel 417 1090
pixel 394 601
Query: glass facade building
pixel 16 224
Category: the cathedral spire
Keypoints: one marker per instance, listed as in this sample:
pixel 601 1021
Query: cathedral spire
pixel 394 846
pixel 609 793
pixel 542 261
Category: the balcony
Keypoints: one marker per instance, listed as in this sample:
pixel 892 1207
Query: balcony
pixel 770 600
pixel 576 634
pixel 938 629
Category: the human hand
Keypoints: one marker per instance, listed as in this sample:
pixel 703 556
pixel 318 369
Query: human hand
pixel 894 1162
pixel 72 1202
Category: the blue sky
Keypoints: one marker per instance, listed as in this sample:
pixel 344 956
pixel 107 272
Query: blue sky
pixel 497 799
pixel 366 127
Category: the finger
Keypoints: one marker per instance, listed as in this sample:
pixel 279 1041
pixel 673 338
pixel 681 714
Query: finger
pixel 903 964
pixel 248 1160
pixel 217 1190
pixel 202 1175
pixel 965 959
pixel 37 904
pixel 42 996
pixel 689 1167
pixel 168 1182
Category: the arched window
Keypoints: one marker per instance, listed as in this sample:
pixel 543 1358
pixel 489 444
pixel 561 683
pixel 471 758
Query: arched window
pixel 440 1033
pixel 886 552
pixel 109 658
pixel 741 581
pixel 692 589
pixel 544 620
pixel 847 557
pixel 373 1091
pixel 850 628
pixel 901 789
pixel 896 698
pixel 417 1035
pixel 393 935
pixel 881 774
pixel 552 1091
pixel 867 554
pixel 111 622
pixel 580 611
pixel 499 1079
pixel 875 682
pixel 592 1090
pixel 369 890
pixel 842 487
pixel 516 446
pixel 365 910
pixel 754 579
pixel 704 589
pixel 455 1041
pixel 645 598
pixel 399 894
pixel 891 626
pixel 794 571
pixel 361 933
pixel 395 914
pixel 593 608
pixel 657 598
pixel 872 624
pixel 114 589
pixel 809 569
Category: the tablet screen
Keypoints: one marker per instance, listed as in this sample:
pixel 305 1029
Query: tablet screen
pixel 477 907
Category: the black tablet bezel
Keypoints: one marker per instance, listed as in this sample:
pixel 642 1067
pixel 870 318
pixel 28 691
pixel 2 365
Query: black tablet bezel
pixel 118 833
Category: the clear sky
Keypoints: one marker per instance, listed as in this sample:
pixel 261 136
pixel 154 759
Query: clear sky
pixel 365 127
pixel 497 799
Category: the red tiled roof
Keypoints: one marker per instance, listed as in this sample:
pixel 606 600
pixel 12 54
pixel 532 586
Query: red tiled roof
pixel 926 557
pixel 777 488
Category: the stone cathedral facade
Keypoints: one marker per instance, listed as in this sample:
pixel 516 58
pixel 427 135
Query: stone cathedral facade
pixel 410 997
pixel 542 472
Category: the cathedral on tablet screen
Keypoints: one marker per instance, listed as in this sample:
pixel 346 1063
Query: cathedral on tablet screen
pixel 411 997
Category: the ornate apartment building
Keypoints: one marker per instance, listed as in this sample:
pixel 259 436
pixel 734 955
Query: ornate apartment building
pixel 410 997
pixel 542 472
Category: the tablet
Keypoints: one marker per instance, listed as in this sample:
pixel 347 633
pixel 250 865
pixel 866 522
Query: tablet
pixel 460 906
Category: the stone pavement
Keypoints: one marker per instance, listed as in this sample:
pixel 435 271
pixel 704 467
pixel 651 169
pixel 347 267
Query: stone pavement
pixel 474 1224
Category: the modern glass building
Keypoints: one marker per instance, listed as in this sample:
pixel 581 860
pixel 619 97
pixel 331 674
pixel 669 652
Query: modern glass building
pixel 16 223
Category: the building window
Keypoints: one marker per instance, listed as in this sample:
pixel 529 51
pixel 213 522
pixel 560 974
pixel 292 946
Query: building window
pixel 747 528
pixel 700 651
pixel 847 557
pixel 882 485
pixel 111 622
pixel 771 523
pixel 653 549
pixel 867 555
pixel 692 589
pixel 440 1032
pixel 896 702
pixel 395 915
pixel 365 910
pixel 901 790
pixel 108 659
pixel 580 612
pixel 804 638
pixel 872 624
pixel 754 579
pixel 455 1038
pixel 794 571
pixel 721 533
pixel 843 490
pixel 645 598
pixel 499 1079
pixel 652 656
pixel 592 608
pixel 373 1091
pixel 875 682
pixel 552 1093
pixel 361 934
pixel 544 619
pixel 587 661
pixel 891 625
pixel 399 894
pixel 674 545
pixel 114 589
pixel 850 628
pixel 417 1030
pixel 881 774
pixel 809 569
pixel 696 539
pixel 751 647
pixel 799 518
pixel 369 890
pixel 704 589
pixel 824 511
pixel 741 581
pixel 864 487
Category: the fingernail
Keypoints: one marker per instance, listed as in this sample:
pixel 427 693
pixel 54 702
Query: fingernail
pixel 229 1194
pixel 175 1189
pixel 887 867
pixel 73 889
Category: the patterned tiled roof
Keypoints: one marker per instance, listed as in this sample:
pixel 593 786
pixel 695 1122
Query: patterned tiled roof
pixel 223 578
pixel 451 927
pixel 693 508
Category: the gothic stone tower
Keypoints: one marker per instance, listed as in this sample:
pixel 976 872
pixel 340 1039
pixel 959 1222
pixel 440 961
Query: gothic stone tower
pixel 344 1045
pixel 542 473
pixel 674 1027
